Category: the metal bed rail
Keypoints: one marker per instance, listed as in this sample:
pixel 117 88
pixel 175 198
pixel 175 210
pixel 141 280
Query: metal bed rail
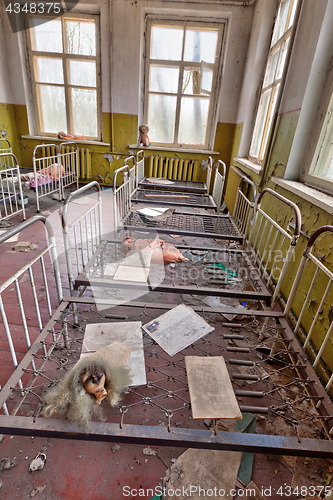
pixel 319 291
pixel 11 194
pixel 140 167
pixel 121 195
pixel 219 181
pixel 47 172
pixel 244 205
pixel 270 246
pixel 6 161
pixel 132 175
pixel 68 158
pixel 32 307
pixel 83 234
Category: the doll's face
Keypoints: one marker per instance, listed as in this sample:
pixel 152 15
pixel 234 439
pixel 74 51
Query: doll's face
pixel 144 130
pixel 93 381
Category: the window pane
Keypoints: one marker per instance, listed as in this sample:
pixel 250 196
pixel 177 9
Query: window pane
pixel 82 73
pixel 48 36
pixel 200 46
pixel 49 70
pixel 260 124
pixel 166 43
pixel 322 164
pixel 191 81
pixel 293 12
pixel 206 79
pixel 84 112
pixel 271 67
pixel 161 118
pixel 271 114
pixel 163 79
pixel 193 120
pixel 81 38
pixel 282 59
pixel 52 108
pixel 280 23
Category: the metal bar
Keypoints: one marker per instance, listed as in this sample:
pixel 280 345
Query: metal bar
pixel 161 436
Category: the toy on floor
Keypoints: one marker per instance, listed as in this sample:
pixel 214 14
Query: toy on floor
pixel 79 394
pixel 168 251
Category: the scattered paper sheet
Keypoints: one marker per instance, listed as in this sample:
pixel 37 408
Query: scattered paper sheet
pixel 116 352
pixel 99 335
pixel 153 212
pixel 211 392
pixel 160 180
pixel 177 329
pixel 135 266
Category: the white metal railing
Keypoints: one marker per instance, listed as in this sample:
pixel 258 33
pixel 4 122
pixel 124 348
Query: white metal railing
pixel 313 283
pixel 11 194
pixel 218 185
pixel 244 205
pixel 121 195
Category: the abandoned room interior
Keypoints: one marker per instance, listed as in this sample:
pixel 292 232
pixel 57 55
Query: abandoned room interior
pixel 166 201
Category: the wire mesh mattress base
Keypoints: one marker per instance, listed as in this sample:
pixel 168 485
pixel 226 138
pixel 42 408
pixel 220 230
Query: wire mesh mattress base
pixel 209 271
pixel 208 226
pixel 173 185
pixel 278 385
pixel 150 196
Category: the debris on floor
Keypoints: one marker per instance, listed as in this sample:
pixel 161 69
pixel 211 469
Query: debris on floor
pixel 24 246
pixel 6 463
pixel 251 491
pixel 37 490
pixel 203 470
pixel 38 462
pixel 148 451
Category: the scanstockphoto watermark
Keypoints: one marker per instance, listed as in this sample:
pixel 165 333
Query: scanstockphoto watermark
pixel 187 491
pixel 22 13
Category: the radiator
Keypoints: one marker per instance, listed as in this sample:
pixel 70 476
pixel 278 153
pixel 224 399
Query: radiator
pixel 84 163
pixel 173 168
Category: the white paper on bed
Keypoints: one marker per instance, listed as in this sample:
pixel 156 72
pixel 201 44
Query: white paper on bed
pixel 135 266
pixel 177 329
pixel 99 335
pixel 211 392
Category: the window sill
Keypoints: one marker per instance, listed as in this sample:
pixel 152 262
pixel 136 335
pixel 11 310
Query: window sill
pixel 309 194
pixel 55 140
pixel 245 162
pixel 174 150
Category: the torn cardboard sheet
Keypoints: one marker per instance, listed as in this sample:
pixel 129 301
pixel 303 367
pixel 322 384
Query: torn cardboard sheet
pixel 177 329
pixel 211 392
pixel 99 335
pixel 205 469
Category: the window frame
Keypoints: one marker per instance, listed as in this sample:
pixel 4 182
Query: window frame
pixel 214 96
pixel 324 143
pixel 65 57
pixel 276 85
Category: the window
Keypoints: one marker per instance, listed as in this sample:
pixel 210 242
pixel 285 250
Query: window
pixel 272 83
pixel 183 71
pixel 321 170
pixel 65 75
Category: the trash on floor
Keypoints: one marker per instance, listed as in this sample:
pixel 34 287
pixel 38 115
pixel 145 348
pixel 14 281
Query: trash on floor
pixel 38 462
pixel 6 463
pixel 37 490
pixel 198 471
pixel 177 329
pixel 24 246
pixel 211 392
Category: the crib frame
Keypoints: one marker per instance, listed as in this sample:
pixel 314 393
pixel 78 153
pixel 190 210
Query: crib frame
pixel 196 200
pixel 37 354
pixel 12 201
pixel 45 156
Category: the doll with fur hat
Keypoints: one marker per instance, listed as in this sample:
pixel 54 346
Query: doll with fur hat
pixel 79 394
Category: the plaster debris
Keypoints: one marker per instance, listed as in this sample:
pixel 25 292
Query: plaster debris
pixel 37 490
pixel 24 246
pixel 7 463
pixel 38 462
pixel 115 448
pixel 148 451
